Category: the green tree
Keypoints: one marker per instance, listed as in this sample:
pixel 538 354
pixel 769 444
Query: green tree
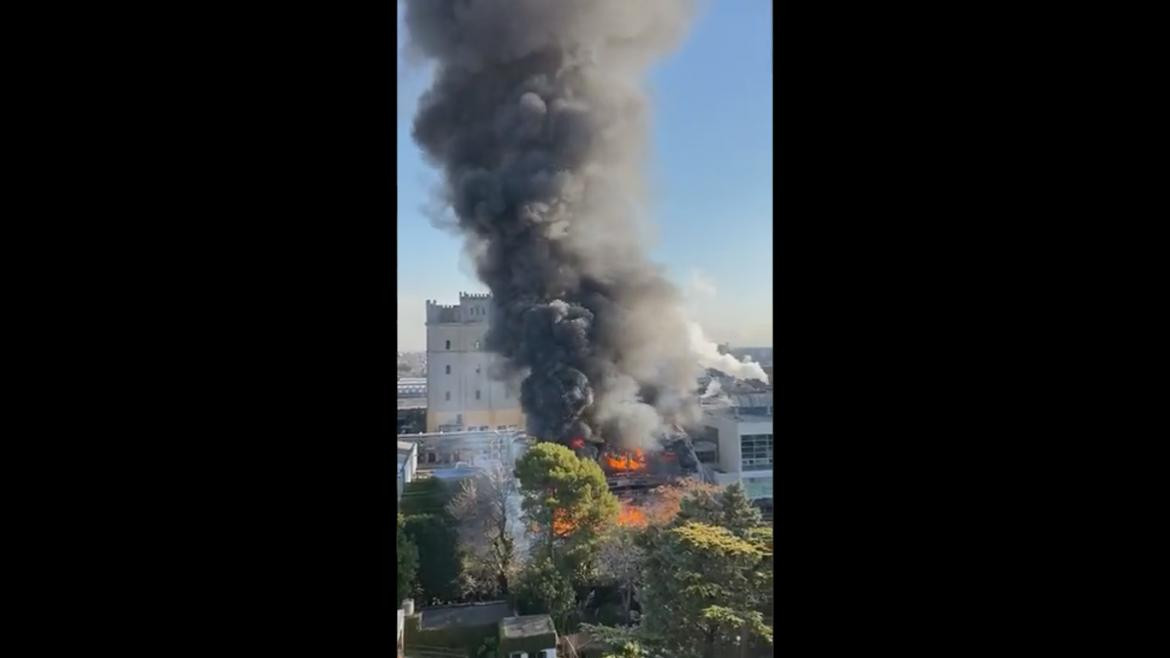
pixel 705 590
pixel 407 561
pixel 729 508
pixel 428 525
pixel 568 503
pixel 438 570
pixel 543 588
pixel 629 650
pixel 623 558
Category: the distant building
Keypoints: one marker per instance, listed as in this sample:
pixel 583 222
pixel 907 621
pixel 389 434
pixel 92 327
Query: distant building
pixel 407 464
pixel 412 405
pixel 738 440
pixel 461 394
pixel 443 450
pixel 412 364
pixel 412 388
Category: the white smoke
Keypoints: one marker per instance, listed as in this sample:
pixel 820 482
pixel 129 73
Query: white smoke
pixel 707 353
pixel 713 389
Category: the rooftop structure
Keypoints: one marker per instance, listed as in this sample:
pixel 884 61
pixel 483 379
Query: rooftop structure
pixel 454 629
pixel 412 387
pixel 470 614
pixel 531 636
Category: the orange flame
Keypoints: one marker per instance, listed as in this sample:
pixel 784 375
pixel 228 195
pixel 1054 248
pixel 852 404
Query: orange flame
pixel 561 525
pixel 624 462
pixel 631 516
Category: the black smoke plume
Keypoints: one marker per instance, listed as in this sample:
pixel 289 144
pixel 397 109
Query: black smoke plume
pixel 537 119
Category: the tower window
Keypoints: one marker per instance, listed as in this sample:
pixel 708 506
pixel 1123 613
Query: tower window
pixel 448 344
pixel 477 394
pixel 448 370
pixel 477 344
pixel 448 396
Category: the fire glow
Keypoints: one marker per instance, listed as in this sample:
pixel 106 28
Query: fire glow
pixel 625 462
pixel 562 526
pixel 631 516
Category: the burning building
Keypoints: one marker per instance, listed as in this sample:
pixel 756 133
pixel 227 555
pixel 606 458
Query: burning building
pixel 537 119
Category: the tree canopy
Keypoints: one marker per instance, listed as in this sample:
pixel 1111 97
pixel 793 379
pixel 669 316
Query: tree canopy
pixel 704 580
pixel 567 502
pixel 542 587
pixel 485 532
pixel 729 508
pixel 706 588
pixel 407 562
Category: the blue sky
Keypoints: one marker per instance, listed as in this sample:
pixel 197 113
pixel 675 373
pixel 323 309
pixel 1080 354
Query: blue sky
pixel 710 175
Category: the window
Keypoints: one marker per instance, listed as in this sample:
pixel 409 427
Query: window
pixel 430 457
pixel 448 396
pixel 757 488
pixel 756 451
pixel 448 344
pixel 477 344
pixel 477 370
pixel 477 394
pixel 448 370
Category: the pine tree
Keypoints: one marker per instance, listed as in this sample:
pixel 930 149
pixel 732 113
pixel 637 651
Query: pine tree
pixel 707 590
pixel 567 501
pixel 729 509
pixel 407 562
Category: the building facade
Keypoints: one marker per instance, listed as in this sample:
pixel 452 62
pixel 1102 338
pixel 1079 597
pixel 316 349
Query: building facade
pixel 741 431
pixel 407 464
pixel 461 393
pixel 440 450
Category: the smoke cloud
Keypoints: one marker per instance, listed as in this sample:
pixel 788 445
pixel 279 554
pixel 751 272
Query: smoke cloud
pixel 709 357
pixel 538 120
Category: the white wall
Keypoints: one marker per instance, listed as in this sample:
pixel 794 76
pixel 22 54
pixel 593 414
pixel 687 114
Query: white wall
pixel 730 432
pixel 470 365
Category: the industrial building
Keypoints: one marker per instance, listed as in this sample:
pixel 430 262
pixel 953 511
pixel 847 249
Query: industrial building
pixel 462 394
pixel 737 442
pixel 412 405
pixel 469 449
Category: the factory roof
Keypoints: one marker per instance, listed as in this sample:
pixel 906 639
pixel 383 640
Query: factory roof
pixel 471 614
